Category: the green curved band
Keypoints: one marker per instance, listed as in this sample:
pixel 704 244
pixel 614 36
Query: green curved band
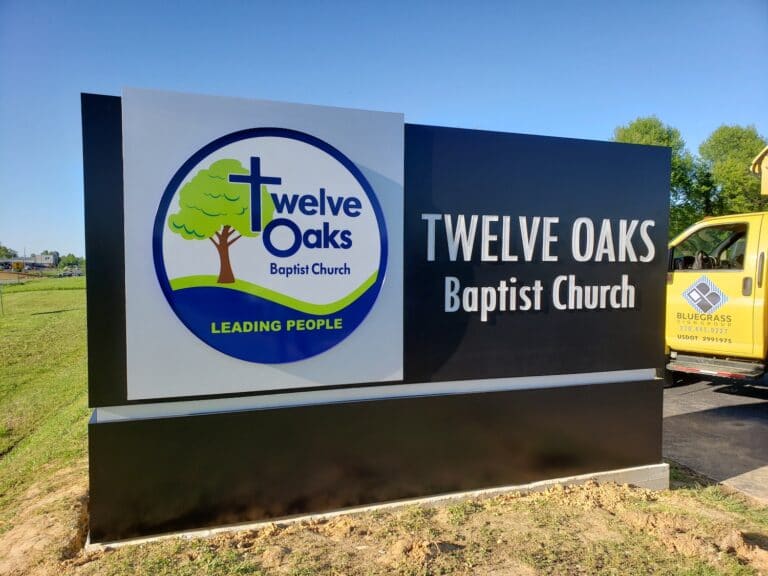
pixel 209 281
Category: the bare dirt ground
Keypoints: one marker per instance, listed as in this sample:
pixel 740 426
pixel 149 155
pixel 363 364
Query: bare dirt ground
pixel 49 525
pixel 588 529
pixel 14 276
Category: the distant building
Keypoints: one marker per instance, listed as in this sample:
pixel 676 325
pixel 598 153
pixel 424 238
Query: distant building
pixel 49 260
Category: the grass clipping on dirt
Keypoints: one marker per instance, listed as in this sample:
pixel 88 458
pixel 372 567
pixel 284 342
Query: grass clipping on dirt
pixel 695 529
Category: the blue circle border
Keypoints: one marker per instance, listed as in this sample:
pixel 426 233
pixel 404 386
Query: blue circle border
pixel 197 157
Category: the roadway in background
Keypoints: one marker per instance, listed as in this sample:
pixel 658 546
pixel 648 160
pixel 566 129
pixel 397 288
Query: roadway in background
pixel 721 431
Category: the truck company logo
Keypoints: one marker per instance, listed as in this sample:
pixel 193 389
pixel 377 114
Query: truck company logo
pixel 270 245
pixel 704 296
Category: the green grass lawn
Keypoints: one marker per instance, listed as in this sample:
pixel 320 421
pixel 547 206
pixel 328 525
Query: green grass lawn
pixel 43 387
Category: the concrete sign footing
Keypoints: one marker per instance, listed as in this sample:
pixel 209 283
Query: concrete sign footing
pixel 652 477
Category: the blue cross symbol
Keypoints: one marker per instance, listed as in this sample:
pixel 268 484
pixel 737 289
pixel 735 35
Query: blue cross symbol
pixel 255 179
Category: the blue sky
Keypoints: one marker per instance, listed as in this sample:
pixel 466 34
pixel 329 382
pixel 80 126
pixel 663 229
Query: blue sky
pixel 559 68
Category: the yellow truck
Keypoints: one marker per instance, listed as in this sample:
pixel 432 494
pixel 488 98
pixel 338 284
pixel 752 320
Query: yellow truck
pixel 717 295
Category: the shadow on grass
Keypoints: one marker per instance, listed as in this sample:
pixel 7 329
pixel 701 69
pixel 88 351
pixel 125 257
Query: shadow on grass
pixel 54 311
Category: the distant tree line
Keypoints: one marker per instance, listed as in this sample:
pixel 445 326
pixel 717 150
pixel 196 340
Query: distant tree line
pixel 68 260
pixel 714 182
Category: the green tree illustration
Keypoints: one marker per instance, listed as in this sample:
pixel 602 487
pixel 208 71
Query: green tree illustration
pixel 213 208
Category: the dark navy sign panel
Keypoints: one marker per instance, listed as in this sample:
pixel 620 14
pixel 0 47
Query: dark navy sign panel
pixel 447 170
pixel 466 172
pixel 105 249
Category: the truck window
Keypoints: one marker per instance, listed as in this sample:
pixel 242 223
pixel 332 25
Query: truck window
pixel 712 248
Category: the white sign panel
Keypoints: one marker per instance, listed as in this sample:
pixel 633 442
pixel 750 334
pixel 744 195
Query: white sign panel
pixel 263 245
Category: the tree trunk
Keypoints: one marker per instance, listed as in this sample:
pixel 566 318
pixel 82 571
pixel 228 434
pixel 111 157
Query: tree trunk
pixel 222 247
pixel 225 269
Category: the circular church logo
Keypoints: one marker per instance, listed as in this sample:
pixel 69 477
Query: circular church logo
pixel 270 245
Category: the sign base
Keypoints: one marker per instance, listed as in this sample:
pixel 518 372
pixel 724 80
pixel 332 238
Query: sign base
pixel 651 477
pixel 169 474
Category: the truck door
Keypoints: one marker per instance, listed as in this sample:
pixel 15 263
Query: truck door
pixel 712 287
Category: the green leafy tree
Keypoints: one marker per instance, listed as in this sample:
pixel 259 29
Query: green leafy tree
pixel 704 195
pixel 212 208
pixel 685 207
pixel 701 198
pixel 6 253
pixel 728 153
pixel 69 260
